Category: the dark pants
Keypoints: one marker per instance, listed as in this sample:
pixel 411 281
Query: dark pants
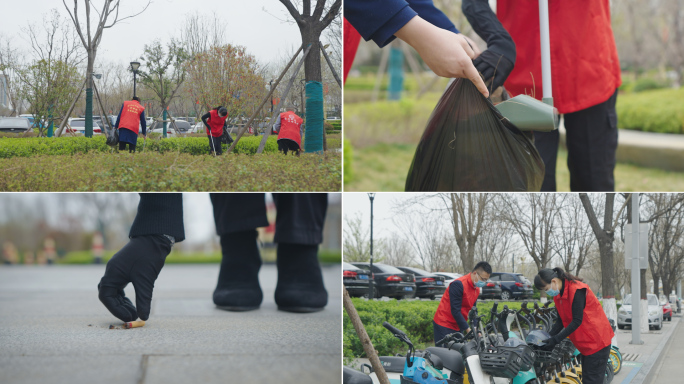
pixel 440 332
pixel 594 366
pixel 215 145
pixel 122 146
pixel 299 219
pixel 286 144
pixel 591 137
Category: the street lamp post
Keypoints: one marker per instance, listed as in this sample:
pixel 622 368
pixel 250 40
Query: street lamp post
pixel 134 67
pixel 371 291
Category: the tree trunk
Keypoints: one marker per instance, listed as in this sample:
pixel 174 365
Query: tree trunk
pixel 656 281
pixel 312 64
pixel 89 96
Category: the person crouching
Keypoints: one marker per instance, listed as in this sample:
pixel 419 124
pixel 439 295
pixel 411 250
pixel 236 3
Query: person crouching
pixel 131 118
pixel 289 129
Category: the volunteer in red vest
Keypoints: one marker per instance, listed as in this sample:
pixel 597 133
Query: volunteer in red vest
pixel 289 129
pixel 131 118
pixel 459 298
pixel 214 120
pixel 585 73
pixel 582 320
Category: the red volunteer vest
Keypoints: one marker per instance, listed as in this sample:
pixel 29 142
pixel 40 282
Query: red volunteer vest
pixel 130 116
pixel 351 44
pixel 443 315
pixel 595 332
pixel 290 125
pixel 216 123
pixel 585 69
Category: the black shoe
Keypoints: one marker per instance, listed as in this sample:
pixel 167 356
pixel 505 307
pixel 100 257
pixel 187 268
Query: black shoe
pixel 300 282
pixel 238 283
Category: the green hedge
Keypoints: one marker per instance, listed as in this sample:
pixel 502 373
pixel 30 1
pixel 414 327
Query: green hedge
pixel 152 171
pixel 652 111
pixel 86 257
pixel 26 147
pixel 413 317
pixel 348 158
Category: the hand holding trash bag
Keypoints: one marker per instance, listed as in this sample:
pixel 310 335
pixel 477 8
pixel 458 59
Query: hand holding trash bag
pixel 469 146
pixel 446 53
pixel 138 262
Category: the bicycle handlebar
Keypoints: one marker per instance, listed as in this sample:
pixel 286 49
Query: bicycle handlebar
pixel 394 330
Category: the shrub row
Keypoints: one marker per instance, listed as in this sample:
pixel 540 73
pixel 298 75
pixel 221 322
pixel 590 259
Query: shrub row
pixel 32 146
pixel 652 111
pixel 413 317
pixel 172 171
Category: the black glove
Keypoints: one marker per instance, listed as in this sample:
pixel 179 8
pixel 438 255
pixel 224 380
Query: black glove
pixel 138 262
pixel 494 68
pixel 549 343
pixel 497 62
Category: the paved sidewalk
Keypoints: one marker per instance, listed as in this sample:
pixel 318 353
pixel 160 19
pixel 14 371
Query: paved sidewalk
pixel 54 329
pixel 640 362
pixel 670 368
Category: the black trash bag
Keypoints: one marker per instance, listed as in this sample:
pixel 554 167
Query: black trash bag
pixel 112 137
pixel 226 138
pixel 469 146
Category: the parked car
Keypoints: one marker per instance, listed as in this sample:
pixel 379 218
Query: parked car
pixel 655 312
pixel 14 124
pixel 513 285
pixel 355 280
pixel 491 290
pixel 448 277
pixel 183 126
pixel 390 281
pixel 667 308
pixel 428 284
pixel 77 125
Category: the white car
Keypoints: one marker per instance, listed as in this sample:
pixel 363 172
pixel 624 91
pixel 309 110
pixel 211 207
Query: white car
pixel 448 277
pixel 77 125
pixel 183 126
pixel 655 312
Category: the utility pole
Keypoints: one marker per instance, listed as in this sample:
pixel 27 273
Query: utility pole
pixel 636 274
pixel 371 291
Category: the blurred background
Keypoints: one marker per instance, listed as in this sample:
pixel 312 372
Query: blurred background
pixel 383 125
pixel 87 228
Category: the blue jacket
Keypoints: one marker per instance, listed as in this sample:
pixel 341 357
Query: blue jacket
pixel 379 20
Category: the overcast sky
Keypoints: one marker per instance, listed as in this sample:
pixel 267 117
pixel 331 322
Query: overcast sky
pixel 246 22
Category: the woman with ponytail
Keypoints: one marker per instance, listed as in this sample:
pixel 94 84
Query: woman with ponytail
pixel 582 320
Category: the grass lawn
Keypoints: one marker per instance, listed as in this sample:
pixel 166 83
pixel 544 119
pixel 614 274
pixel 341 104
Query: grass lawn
pixel 383 167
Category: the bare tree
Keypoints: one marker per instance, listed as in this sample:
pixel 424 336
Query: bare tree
pixel 51 79
pixel 496 243
pixel 396 250
pixel 431 243
pixel 575 238
pixel 666 234
pixel 10 62
pixel 357 240
pixel 605 236
pixel 535 217
pixel 311 25
pixel 201 32
pixel 108 16
pixel 468 214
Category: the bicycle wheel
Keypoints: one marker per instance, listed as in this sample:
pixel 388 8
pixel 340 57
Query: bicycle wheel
pixel 617 362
